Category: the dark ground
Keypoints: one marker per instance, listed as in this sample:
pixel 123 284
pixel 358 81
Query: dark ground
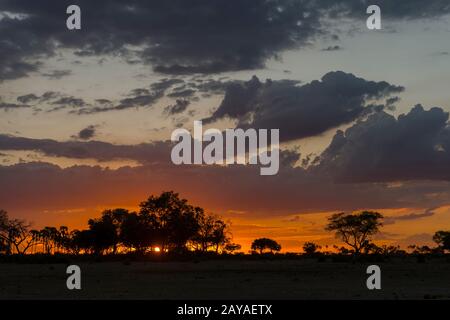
pixel 228 279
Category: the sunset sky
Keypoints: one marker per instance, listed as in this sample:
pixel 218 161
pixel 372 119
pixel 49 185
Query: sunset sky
pixel 86 115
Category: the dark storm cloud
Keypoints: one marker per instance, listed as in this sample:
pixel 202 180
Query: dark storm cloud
pixel 332 48
pixel 166 83
pixel 57 74
pixel 179 106
pixel 146 97
pixel 45 97
pixel 87 133
pixel 49 95
pixel 103 101
pixel 69 101
pixel 55 100
pixel 302 111
pixel 139 100
pixel 408 217
pixel 398 9
pixel 390 102
pixel 8 106
pixel 415 146
pixel 139 97
pixel 139 92
pixel 294 189
pixel 102 151
pixel 219 188
pixel 27 98
pixel 187 93
pixel 179 37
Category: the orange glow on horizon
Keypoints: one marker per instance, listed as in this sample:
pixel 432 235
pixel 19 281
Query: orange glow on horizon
pixel 291 231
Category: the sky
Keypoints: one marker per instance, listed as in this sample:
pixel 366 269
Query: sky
pixel 86 115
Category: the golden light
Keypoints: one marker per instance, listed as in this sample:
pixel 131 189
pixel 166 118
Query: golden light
pixel 157 249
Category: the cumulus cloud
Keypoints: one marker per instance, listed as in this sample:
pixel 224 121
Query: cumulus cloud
pixel 87 133
pixel 302 110
pixel 294 189
pixel 414 146
pixel 176 38
pixel 179 37
pixel 219 188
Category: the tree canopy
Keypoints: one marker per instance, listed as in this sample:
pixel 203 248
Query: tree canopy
pixel 442 238
pixel 355 229
pixel 262 244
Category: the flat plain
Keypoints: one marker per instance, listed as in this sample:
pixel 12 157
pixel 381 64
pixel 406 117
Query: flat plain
pixel 233 279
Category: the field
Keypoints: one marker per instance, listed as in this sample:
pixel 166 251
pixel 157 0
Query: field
pixel 234 279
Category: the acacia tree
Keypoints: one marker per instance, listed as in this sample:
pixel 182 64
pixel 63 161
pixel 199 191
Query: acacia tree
pixel 15 234
pixel 442 238
pixel 262 244
pixel 355 229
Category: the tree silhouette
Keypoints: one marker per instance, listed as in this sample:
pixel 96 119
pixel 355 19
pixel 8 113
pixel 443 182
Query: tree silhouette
pixel 212 232
pixel 138 232
pixel 115 217
pixel 3 246
pixel 103 234
pixel 264 243
pixel 4 234
pixel 175 220
pixel 14 234
pixel 63 238
pixel 169 222
pixel 442 238
pixel 49 238
pixel 310 248
pixel 355 229
pixel 81 241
